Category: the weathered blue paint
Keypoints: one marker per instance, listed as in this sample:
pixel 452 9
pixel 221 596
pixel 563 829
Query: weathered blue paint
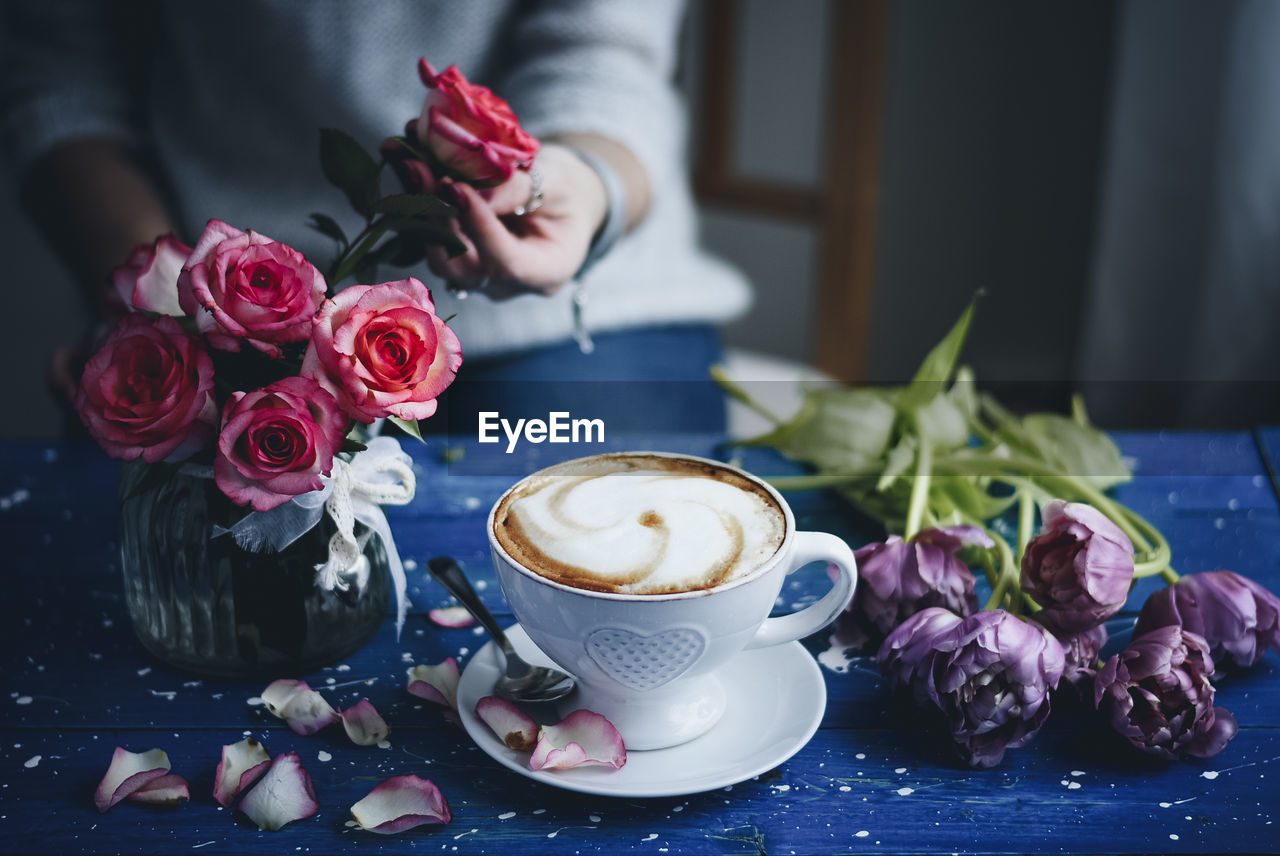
pixel 74 684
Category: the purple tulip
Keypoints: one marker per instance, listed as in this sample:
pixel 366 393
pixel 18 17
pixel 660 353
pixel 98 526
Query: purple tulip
pixel 1237 617
pixel 988 674
pixel 1157 695
pixel 1079 568
pixel 1081 652
pixel 899 578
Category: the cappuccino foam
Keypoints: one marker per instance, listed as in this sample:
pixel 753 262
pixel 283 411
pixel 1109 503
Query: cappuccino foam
pixel 639 524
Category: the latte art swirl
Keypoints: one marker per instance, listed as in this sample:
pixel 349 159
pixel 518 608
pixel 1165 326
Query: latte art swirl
pixel 640 531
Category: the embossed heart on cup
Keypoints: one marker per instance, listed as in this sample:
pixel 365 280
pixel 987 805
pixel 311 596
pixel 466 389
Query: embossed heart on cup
pixel 643 662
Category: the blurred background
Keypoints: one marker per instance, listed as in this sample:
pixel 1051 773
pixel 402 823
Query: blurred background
pixel 1107 172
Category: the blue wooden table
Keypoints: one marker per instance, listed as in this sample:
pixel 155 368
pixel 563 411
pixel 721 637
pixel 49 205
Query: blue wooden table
pixel 76 684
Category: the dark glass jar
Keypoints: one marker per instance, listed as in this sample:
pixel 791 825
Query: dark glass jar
pixel 203 604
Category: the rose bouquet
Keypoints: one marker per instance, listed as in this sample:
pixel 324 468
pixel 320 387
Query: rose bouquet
pixel 237 360
pixel 241 346
pixel 258 368
pixel 952 470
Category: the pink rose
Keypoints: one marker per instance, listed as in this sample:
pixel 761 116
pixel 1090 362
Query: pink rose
pixel 382 351
pixel 470 132
pixel 148 392
pixel 149 279
pixel 253 289
pixel 276 442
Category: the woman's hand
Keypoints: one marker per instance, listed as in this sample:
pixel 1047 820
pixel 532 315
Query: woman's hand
pixel 538 252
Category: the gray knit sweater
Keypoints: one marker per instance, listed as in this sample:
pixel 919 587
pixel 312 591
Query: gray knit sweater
pixel 229 97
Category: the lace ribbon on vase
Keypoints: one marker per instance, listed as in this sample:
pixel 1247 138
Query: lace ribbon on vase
pixel 380 475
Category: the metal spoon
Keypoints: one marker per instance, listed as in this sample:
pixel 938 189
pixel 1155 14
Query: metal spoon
pixel 521 682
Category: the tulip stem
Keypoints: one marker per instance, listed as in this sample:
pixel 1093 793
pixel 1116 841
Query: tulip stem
pixel 819 480
pixel 1026 520
pixel 1130 522
pixel 997 594
pixel 1169 575
pixel 1007 578
pixel 1156 564
pixel 989 569
pixel 1027 485
pixel 920 486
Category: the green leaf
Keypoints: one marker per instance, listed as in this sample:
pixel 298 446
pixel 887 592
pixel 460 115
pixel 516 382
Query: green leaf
pixel 1076 450
pixel 942 421
pixel 354 259
pixel 413 205
pixel 964 393
pixel 428 231
pixel 326 225
pixel 737 393
pixel 401 251
pixel 348 167
pixel 350 445
pixel 1007 428
pixel 366 272
pixel 408 426
pixel 837 430
pixel 897 462
pixel 964 493
pixel 412 145
pixel 938 365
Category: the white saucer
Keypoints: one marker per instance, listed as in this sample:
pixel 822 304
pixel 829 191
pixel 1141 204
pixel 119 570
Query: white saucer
pixel 776 697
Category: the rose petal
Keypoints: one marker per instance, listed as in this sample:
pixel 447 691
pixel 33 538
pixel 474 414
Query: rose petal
pixel 241 763
pixel 584 737
pixel 303 709
pixel 128 772
pixel 453 617
pixel 400 803
pixel 166 790
pixel 282 796
pixel 364 725
pixel 438 683
pixel 511 724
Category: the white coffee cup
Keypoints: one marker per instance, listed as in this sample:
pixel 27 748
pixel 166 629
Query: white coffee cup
pixel 648 662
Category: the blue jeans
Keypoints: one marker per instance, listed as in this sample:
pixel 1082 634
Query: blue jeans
pixel 653 379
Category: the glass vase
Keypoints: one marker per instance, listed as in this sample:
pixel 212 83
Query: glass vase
pixel 205 605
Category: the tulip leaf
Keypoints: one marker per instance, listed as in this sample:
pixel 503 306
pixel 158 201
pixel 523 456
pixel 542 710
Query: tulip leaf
pixel 965 494
pixel 964 394
pixel 351 169
pixel 837 430
pixel 938 365
pixel 942 422
pixel 1077 450
pixel 898 461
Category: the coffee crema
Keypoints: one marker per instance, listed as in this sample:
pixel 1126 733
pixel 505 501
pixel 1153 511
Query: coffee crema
pixel 639 524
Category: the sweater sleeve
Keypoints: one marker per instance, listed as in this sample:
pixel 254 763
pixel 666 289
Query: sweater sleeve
pixel 68 70
pixel 603 67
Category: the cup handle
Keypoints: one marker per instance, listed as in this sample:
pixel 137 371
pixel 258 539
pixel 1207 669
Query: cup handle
pixel 812 547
